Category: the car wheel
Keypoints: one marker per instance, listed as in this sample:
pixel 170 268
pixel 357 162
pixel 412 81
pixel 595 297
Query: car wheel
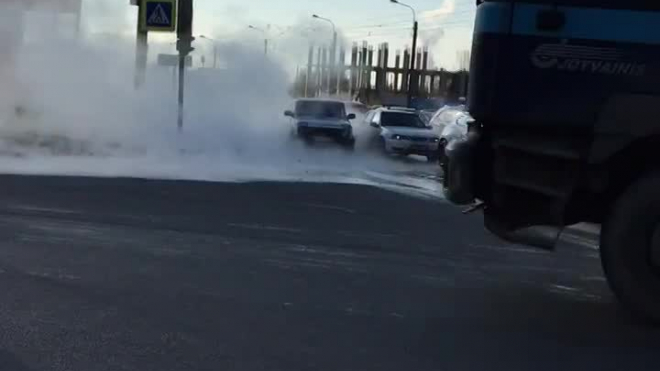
pixel 382 146
pixel 349 145
pixel 630 248
pixel 308 140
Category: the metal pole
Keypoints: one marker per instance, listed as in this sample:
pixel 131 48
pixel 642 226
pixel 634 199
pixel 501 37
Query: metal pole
pixel 306 83
pixel 79 20
pixel 328 64
pixel 310 66
pixel 332 52
pixel 265 46
pixel 141 51
pixel 412 74
pixel 332 60
pixel 184 46
pixel 359 76
pixel 336 61
pixel 182 81
pixel 318 77
pixel 174 78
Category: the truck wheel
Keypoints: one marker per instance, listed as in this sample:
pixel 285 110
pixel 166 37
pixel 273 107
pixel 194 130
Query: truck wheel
pixel 630 248
pixel 442 158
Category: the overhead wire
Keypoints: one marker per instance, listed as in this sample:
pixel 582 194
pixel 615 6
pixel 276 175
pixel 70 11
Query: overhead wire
pixel 402 30
pixel 422 18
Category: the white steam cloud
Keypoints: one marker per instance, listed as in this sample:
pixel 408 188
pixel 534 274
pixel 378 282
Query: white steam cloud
pixel 447 8
pixel 69 107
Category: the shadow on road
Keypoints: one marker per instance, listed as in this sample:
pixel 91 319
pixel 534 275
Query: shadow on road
pixel 10 362
pixel 531 328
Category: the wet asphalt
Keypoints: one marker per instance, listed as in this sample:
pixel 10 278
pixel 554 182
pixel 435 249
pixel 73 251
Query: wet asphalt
pixel 130 274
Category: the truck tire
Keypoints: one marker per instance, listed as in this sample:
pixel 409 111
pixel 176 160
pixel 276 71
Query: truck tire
pixel 442 158
pixel 630 248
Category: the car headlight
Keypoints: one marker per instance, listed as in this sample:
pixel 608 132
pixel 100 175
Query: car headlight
pixel 435 140
pixel 398 137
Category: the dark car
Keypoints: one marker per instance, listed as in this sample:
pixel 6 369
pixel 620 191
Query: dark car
pixel 316 118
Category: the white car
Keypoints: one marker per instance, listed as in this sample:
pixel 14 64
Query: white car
pixel 456 130
pixel 402 131
pixel 446 116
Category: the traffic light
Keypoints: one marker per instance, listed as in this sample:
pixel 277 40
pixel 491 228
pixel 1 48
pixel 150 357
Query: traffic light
pixel 184 27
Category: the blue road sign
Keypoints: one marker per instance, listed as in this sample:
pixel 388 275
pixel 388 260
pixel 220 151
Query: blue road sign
pixel 158 15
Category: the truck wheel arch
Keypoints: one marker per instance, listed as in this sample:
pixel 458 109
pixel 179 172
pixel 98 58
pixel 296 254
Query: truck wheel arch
pixel 637 160
pixel 627 247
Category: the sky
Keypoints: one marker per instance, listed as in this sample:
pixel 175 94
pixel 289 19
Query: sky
pixel 445 25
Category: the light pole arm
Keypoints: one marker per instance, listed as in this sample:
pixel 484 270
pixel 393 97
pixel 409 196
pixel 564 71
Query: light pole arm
pixel 409 7
pixel 413 11
pixel 334 28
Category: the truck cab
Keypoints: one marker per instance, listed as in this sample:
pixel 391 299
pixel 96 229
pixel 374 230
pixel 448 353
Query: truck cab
pixel 565 96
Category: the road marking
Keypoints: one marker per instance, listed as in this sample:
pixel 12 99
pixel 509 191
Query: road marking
pixel 564 288
pixel 330 207
pixel 513 248
pixel 265 227
pixel 41 209
pixel 367 234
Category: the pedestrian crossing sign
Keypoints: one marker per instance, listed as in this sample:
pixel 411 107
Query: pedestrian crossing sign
pixel 158 15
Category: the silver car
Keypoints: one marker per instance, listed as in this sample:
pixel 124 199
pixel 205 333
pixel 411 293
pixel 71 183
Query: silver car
pixel 402 131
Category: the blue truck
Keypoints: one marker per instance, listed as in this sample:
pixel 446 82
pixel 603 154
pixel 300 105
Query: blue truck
pixel 565 96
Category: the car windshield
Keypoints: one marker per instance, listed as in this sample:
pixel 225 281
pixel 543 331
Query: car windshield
pixel 326 110
pixel 402 119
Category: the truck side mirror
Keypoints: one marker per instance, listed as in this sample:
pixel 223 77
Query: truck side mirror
pixel 350 116
pixel 374 124
pixel 288 113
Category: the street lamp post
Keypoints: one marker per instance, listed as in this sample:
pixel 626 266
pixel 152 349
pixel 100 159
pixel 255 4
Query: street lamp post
pixel 215 49
pixel 411 72
pixel 265 37
pixel 141 50
pixel 333 50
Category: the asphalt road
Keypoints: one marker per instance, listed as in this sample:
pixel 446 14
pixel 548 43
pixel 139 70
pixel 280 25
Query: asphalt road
pixel 121 274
